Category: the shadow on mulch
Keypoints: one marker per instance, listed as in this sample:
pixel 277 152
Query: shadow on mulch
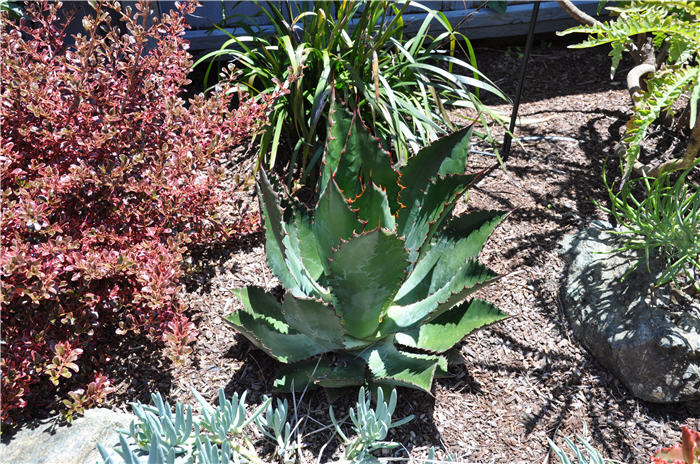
pixel 140 368
pixel 207 259
pixel 553 69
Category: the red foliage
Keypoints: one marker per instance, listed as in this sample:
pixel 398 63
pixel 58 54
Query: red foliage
pixel 107 175
pixel 686 452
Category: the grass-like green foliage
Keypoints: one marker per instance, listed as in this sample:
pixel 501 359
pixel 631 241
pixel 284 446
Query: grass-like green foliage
pixel 665 218
pixel 222 435
pixel 673 26
pixel 584 454
pixel 400 82
pixel 377 273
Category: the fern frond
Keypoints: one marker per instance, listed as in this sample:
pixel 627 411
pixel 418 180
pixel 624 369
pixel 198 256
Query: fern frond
pixel 663 90
pixel 648 21
pixel 670 23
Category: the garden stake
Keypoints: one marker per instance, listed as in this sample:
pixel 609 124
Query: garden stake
pixel 516 104
pixel 523 67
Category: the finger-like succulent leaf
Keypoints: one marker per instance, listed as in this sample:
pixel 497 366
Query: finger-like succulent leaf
pixel 390 366
pixel 365 274
pixel 262 323
pixel 444 331
pixel 334 221
pixel 315 319
pixel 373 207
pixel 328 372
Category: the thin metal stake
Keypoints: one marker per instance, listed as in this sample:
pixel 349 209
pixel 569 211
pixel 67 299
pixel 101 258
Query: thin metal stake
pixel 523 67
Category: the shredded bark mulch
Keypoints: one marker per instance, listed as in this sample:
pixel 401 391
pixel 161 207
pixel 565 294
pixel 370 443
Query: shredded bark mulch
pixel 523 380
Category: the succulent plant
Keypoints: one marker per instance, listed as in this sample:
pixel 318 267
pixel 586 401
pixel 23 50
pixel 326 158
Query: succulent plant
pixel 371 426
pixel 687 452
pixel 377 274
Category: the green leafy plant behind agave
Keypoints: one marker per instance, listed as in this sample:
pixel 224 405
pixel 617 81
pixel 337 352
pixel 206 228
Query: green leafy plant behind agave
pixel 377 274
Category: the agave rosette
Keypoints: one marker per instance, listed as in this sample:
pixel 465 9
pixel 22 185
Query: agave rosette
pixel 376 276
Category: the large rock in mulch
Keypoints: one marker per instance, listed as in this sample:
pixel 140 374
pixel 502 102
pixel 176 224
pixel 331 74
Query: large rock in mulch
pixel 47 443
pixel 649 339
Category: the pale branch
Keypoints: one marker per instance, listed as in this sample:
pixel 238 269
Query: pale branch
pixel 676 164
pixel 634 79
pixel 576 13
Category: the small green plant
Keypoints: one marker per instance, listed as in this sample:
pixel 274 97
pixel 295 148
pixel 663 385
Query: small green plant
pixel 515 52
pixel 276 427
pixel 377 273
pixel 221 434
pixel 218 436
pixel 371 426
pixel 399 82
pixel 664 218
pixel 589 456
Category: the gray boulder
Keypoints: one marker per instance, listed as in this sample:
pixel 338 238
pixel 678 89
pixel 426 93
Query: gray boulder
pixel 649 338
pixel 47 443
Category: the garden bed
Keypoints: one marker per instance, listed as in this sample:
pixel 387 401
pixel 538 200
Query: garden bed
pixel 523 380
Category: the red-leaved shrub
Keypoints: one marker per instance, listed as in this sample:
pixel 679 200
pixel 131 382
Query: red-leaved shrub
pixel 107 176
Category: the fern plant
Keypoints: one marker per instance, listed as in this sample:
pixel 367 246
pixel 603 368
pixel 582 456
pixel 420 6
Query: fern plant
pixel 664 40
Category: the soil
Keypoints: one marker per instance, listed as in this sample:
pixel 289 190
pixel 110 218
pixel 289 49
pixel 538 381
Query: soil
pixel 522 381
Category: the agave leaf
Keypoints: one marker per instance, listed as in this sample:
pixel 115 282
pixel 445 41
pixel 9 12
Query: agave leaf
pixel 446 212
pixel 373 207
pixel 427 215
pixel 298 223
pixel 328 372
pixel 301 250
pixel 308 246
pixel 338 130
pixel 274 234
pixel 334 221
pixel 298 255
pixel 391 366
pixel 365 274
pixel 462 239
pixel 262 323
pixel 469 278
pixel 314 319
pixel 447 155
pixel 353 154
pixel 446 330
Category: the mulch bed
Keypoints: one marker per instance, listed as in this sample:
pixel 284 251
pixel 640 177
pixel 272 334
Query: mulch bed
pixel 523 380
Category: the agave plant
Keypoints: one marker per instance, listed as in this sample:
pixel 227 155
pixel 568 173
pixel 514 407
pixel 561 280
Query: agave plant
pixel 377 274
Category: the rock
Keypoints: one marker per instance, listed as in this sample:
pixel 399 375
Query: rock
pixel 651 343
pixel 47 443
